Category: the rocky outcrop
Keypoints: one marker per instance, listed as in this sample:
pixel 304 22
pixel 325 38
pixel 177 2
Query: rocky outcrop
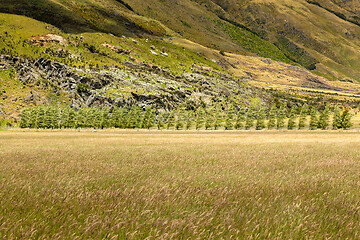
pixel 142 84
pixel 43 40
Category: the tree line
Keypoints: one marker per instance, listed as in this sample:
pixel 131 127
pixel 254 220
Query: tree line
pixel 214 118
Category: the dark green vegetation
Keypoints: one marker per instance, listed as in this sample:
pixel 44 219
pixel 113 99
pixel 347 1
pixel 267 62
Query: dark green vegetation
pixel 227 118
pixel 179 185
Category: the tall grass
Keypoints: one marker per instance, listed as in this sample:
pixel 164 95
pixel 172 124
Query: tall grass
pixel 166 185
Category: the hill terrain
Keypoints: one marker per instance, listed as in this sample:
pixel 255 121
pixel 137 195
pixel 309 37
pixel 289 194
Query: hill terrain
pixel 165 53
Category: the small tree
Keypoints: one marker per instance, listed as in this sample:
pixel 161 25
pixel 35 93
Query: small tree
pixel 303 115
pixel 124 119
pixel 170 120
pixel 189 120
pixel 160 121
pixel 40 117
pixel 209 121
pixel 324 118
pixel 200 118
pixel 336 124
pixel 218 118
pixel 229 121
pixel 272 117
pixel 250 117
pixel 48 118
pixel 146 117
pixel 152 119
pixel 314 122
pixel 116 117
pixel 97 118
pixel 81 118
pixel 292 119
pixel 25 118
pixel 105 118
pixel 180 118
pixel 240 118
pixel 346 119
pixel 280 123
pixel 134 117
pixel 260 121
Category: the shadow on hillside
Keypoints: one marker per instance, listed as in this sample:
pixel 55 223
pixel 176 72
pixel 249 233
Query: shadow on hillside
pixel 68 20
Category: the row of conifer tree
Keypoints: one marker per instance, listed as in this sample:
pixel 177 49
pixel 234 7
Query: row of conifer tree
pixel 52 117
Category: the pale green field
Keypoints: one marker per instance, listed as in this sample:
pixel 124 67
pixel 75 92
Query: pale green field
pixel 178 185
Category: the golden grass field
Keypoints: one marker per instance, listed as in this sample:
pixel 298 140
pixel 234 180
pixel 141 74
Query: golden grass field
pixel 179 185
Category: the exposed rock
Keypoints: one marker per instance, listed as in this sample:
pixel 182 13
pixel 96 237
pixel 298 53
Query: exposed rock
pixel 202 68
pixel 116 48
pixel 143 84
pixel 154 53
pixel 42 40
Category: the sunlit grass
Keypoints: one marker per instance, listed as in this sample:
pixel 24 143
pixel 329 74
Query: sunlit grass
pixel 141 184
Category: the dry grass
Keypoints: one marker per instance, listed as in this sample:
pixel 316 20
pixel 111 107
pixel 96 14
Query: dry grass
pixel 167 185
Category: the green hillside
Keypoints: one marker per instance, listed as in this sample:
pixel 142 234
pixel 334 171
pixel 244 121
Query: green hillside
pixel 320 35
pixel 306 47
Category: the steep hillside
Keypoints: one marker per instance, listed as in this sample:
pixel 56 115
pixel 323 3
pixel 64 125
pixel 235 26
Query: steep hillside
pixel 311 33
pixel 170 52
pixel 322 36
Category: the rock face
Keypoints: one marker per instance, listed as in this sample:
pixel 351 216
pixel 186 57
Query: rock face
pixel 117 49
pixel 43 40
pixel 142 84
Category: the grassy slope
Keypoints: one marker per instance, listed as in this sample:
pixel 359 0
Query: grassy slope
pixel 305 33
pixel 302 32
pixel 16 30
pixel 293 24
pixel 61 185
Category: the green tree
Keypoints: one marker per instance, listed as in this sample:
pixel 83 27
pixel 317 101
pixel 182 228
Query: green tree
pixel 33 116
pixel 40 117
pixel 55 117
pixel 303 116
pixel 218 118
pixel 272 117
pixel 116 117
pixel 81 118
pixel 146 117
pixel 260 120
pixel 180 118
pixel 25 118
pixel 189 120
pixel 324 118
pixel 336 124
pixel 160 121
pixel 346 119
pixel 240 118
pixel 134 117
pixel 124 119
pixel 250 118
pixel 97 118
pixel 48 118
pixel 200 118
pixel 209 121
pixel 170 122
pixel 152 119
pixel 105 118
pixel 229 121
pixel 280 123
pixel 292 119
pixel 314 122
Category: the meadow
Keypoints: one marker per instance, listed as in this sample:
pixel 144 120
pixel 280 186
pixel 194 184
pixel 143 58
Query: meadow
pixel 179 185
